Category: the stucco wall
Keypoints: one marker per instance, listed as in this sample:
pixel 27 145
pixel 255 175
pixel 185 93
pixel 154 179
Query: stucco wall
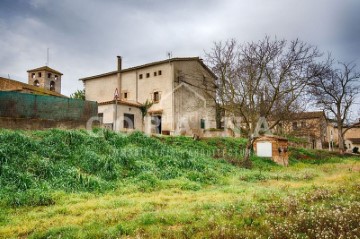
pixel 101 89
pixel 191 103
pixel 108 112
pixel 140 90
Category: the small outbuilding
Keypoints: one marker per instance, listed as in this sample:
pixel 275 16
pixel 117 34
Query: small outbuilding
pixel 272 146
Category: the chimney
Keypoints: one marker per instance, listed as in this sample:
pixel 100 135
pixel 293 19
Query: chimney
pixel 119 63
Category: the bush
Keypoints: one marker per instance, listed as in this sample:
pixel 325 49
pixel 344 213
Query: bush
pixel 355 150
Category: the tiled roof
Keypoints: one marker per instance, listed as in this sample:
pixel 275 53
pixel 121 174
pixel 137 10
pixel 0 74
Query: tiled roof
pixel 151 64
pixel 309 115
pixel 155 111
pixel 121 102
pixel 45 68
pixel 354 140
pixel 19 86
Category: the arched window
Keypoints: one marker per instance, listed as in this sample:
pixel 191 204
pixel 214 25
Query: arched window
pixel 36 83
pixel 52 86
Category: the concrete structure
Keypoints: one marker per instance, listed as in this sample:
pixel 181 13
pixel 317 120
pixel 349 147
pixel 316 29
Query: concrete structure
pixel 181 89
pixel 45 78
pixel 274 147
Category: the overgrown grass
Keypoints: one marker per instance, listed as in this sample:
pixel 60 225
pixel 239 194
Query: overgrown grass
pixel 33 164
pixel 79 184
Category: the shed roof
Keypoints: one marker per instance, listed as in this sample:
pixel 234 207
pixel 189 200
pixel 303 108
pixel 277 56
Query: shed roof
pixel 267 136
pixel 121 102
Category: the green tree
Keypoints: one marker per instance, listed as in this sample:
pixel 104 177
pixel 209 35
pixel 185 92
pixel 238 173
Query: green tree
pixel 144 108
pixel 79 94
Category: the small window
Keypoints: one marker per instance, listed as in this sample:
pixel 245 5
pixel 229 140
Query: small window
pixel 129 121
pixel 52 86
pixel 56 77
pixel 36 83
pixel 33 75
pixel 49 75
pixel 155 73
pixel 125 95
pixel 159 73
pixel 39 74
pixel 147 75
pixel 294 125
pixel 140 76
pixel 202 123
pixel 156 96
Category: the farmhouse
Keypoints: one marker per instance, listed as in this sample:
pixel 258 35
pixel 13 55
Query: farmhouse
pixel 181 91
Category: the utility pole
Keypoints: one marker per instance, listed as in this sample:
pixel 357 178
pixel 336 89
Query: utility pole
pixel 116 96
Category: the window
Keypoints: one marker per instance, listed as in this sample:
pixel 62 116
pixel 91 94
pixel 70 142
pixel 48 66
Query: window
pixel 147 75
pixel 39 74
pixel 49 75
pixel 36 83
pixel 202 124
pixel 52 86
pixel 56 77
pixel 155 73
pixel 33 75
pixel 125 95
pixel 159 73
pixel 129 121
pixel 294 125
pixel 156 96
pixel 140 76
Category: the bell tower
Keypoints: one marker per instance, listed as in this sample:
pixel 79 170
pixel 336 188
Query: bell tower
pixel 46 78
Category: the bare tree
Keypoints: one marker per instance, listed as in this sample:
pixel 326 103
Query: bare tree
pixel 335 92
pixel 262 79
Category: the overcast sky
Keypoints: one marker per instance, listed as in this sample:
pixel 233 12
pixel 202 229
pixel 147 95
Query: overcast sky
pixel 84 36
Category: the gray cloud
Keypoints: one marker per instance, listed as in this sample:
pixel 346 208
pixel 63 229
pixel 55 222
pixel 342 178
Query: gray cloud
pixel 84 36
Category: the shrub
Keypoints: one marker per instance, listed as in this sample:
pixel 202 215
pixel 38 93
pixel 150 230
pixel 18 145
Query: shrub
pixel 355 150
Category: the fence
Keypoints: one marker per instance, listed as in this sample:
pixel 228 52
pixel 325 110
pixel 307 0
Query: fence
pixel 14 105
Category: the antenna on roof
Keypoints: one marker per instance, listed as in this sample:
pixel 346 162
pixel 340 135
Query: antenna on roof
pixel 169 54
pixel 47 56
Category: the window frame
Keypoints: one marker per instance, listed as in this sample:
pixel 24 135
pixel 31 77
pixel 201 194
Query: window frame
pixel 156 93
pixel 126 124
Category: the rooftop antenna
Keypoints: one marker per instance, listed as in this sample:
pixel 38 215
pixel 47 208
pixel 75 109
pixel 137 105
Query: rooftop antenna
pixel 47 56
pixel 169 54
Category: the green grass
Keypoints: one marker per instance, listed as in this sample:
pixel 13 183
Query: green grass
pixel 79 184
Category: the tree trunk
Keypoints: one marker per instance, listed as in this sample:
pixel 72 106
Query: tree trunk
pixel 246 160
pixel 341 139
